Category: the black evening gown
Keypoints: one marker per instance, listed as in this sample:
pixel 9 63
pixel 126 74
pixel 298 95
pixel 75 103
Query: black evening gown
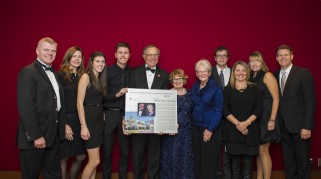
pixel 266 136
pixel 176 153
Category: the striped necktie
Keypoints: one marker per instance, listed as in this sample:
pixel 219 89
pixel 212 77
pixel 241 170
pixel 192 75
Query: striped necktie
pixel 222 79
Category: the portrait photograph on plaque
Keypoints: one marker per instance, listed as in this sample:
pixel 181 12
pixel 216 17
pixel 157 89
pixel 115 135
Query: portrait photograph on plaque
pixel 151 111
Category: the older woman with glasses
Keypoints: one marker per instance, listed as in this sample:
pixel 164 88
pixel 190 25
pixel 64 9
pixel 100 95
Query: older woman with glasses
pixel 176 152
pixel 207 97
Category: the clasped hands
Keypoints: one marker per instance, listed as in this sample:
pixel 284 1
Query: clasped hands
pixel 242 127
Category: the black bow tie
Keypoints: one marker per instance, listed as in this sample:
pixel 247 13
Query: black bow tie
pixel 151 70
pixel 48 68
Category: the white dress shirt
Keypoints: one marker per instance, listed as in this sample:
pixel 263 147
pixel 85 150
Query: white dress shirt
pixel 287 72
pixel 150 77
pixel 54 84
pixel 226 73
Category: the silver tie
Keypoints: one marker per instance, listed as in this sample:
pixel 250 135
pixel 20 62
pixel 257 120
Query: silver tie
pixel 283 79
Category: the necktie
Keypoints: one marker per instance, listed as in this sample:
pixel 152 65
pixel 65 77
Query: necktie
pixel 152 70
pixel 222 79
pixel 48 68
pixel 283 78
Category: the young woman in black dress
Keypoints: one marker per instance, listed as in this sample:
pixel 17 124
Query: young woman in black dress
pixel 73 146
pixel 91 89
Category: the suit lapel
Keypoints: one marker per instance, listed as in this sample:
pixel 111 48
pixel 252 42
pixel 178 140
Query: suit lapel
pixel 43 74
pixel 290 78
pixel 215 76
pixel 157 78
pixel 144 77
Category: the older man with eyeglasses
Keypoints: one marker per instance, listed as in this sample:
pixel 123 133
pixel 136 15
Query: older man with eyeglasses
pixel 148 76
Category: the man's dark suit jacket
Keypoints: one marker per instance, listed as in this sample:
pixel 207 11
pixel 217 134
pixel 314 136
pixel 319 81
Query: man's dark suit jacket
pixel 37 105
pixel 297 105
pixel 215 75
pixel 139 79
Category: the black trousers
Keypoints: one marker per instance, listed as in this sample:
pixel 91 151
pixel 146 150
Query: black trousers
pixel 205 154
pixel 113 126
pixel 296 154
pixel 224 160
pixel 45 161
pixel 141 142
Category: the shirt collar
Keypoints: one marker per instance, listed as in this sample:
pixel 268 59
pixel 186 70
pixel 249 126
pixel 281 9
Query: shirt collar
pixel 219 70
pixel 287 71
pixel 42 63
pixel 151 68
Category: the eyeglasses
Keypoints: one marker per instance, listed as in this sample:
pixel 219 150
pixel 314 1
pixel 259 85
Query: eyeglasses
pixel 221 56
pixel 201 72
pixel 177 79
pixel 151 55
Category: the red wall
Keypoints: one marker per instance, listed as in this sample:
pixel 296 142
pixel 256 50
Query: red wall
pixel 185 32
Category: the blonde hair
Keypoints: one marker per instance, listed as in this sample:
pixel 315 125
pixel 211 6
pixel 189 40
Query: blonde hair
pixel 247 69
pixel 48 40
pixel 259 57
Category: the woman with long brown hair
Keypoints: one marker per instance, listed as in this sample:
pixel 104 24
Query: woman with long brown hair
pixel 73 146
pixel 91 89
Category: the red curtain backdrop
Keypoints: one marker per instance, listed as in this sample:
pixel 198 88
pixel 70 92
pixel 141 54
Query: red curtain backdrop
pixel 185 31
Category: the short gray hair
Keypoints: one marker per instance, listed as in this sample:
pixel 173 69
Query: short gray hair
pixel 204 63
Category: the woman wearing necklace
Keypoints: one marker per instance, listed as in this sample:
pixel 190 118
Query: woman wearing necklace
pixel 207 97
pixel 269 126
pixel 73 146
pixel 242 108
pixel 176 153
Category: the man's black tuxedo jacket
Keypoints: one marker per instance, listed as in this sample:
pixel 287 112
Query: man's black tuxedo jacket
pixel 139 79
pixel 37 105
pixel 297 105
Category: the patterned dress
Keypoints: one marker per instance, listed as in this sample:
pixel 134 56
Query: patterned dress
pixel 176 153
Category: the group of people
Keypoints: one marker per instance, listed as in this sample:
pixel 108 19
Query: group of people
pixel 226 119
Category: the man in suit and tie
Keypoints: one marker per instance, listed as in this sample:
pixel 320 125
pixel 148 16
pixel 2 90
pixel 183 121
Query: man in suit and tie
pixel 141 109
pixel 221 74
pixel 41 120
pixel 296 114
pixel 148 76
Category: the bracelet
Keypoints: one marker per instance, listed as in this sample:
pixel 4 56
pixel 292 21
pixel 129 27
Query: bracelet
pixel 249 122
pixel 272 120
pixel 82 123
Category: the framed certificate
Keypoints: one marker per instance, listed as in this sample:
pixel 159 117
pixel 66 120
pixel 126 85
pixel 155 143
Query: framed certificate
pixel 151 111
